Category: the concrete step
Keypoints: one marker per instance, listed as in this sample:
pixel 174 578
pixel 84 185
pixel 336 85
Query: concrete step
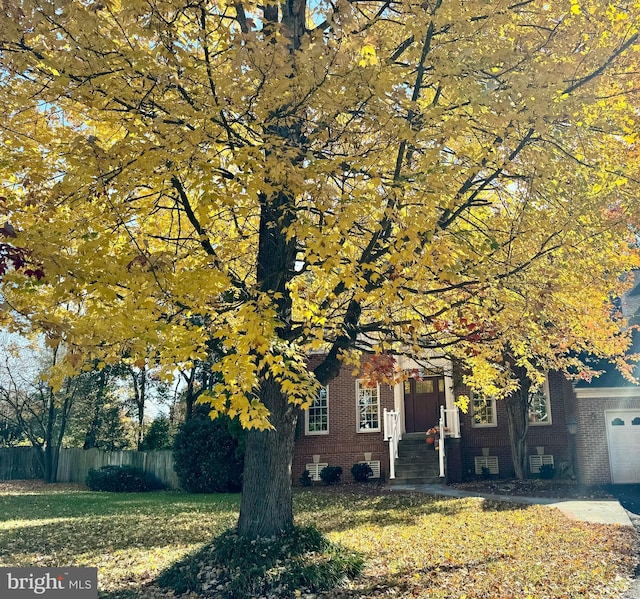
pixel 413 436
pixel 416 480
pixel 417 467
pixel 421 440
pixel 423 453
pixel 417 463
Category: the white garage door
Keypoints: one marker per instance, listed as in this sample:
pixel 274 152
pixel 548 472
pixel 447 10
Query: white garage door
pixel 623 435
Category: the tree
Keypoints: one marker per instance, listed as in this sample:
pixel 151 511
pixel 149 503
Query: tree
pixel 434 178
pixel 199 377
pixel 31 405
pixel 98 418
pixel 139 382
pixel 158 435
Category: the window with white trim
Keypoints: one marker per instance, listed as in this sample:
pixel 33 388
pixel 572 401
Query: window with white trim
pixel 317 415
pixel 484 412
pixel 540 406
pixel 368 403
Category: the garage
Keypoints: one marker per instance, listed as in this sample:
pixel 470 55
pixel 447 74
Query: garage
pixel 623 438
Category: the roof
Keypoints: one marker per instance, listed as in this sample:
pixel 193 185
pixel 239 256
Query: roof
pixel 611 376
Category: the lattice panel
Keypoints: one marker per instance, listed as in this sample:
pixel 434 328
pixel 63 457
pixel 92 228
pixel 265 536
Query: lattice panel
pixel 489 461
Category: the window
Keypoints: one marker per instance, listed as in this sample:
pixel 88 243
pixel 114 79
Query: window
pixel 317 416
pixel 539 406
pixel 368 407
pixel 484 412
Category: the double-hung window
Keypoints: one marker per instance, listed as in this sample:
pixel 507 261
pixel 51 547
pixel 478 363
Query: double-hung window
pixel 484 412
pixel 368 405
pixel 540 406
pixel 317 416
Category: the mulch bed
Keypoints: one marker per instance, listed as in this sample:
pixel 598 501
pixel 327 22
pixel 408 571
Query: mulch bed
pixel 560 489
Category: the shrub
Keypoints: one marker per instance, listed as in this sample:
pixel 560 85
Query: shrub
pixel 298 560
pixel 209 455
pixel 305 478
pixel 331 475
pixel 361 472
pixel 547 471
pixel 121 479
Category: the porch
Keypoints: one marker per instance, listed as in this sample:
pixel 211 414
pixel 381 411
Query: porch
pixel 412 460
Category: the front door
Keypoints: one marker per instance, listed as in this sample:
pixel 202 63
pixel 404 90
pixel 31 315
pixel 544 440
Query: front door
pixel 422 401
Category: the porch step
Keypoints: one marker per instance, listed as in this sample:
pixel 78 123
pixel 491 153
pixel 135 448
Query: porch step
pixel 416 449
pixel 417 468
pixel 414 436
pixel 417 462
pixel 417 480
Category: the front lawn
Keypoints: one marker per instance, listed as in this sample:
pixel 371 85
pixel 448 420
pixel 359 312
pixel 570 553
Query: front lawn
pixel 414 545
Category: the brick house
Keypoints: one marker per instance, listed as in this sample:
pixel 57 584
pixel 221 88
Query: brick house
pixel 608 417
pixel 346 425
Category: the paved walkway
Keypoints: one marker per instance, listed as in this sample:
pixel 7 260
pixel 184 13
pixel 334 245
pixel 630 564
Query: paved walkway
pixel 592 510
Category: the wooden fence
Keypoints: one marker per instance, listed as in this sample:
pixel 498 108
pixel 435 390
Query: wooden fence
pixel 19 463
pixel 74 464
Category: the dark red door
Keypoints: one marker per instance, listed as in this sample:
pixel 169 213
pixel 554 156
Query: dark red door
pixel 422 401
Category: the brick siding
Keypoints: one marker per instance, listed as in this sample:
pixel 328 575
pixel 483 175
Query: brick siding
pixel 343 445
pixel 591 438
pixel 553 437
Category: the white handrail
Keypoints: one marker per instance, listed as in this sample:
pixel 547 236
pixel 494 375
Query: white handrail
pixel 450 422
pixel 392 434
pixel 443 427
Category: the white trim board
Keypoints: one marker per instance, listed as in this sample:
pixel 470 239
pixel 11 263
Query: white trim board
pixel 607 392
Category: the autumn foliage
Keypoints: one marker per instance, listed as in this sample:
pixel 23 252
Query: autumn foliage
pixel 434 178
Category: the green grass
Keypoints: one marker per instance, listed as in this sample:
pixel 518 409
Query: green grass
pixel 129 537
pixel 414 545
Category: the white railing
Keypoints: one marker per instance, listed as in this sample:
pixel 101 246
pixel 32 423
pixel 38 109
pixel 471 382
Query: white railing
pixel 392 434
pixel 449 427
pixel 450 422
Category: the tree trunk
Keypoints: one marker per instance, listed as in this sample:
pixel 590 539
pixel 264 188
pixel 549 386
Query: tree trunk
pixel 91 435
pixel 517 405
pixel 139 381
pixel 189 396
pixel 49 475
pixel 518 428
pixel 266 507
pixel 49 449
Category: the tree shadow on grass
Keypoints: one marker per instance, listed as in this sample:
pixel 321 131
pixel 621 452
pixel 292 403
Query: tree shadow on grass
pixel 126 594
pixel 365 510
pixel 491 505
pixel 85 538
pixel 409 581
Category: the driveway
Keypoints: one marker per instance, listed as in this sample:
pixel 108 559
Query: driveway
pixel 629 498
